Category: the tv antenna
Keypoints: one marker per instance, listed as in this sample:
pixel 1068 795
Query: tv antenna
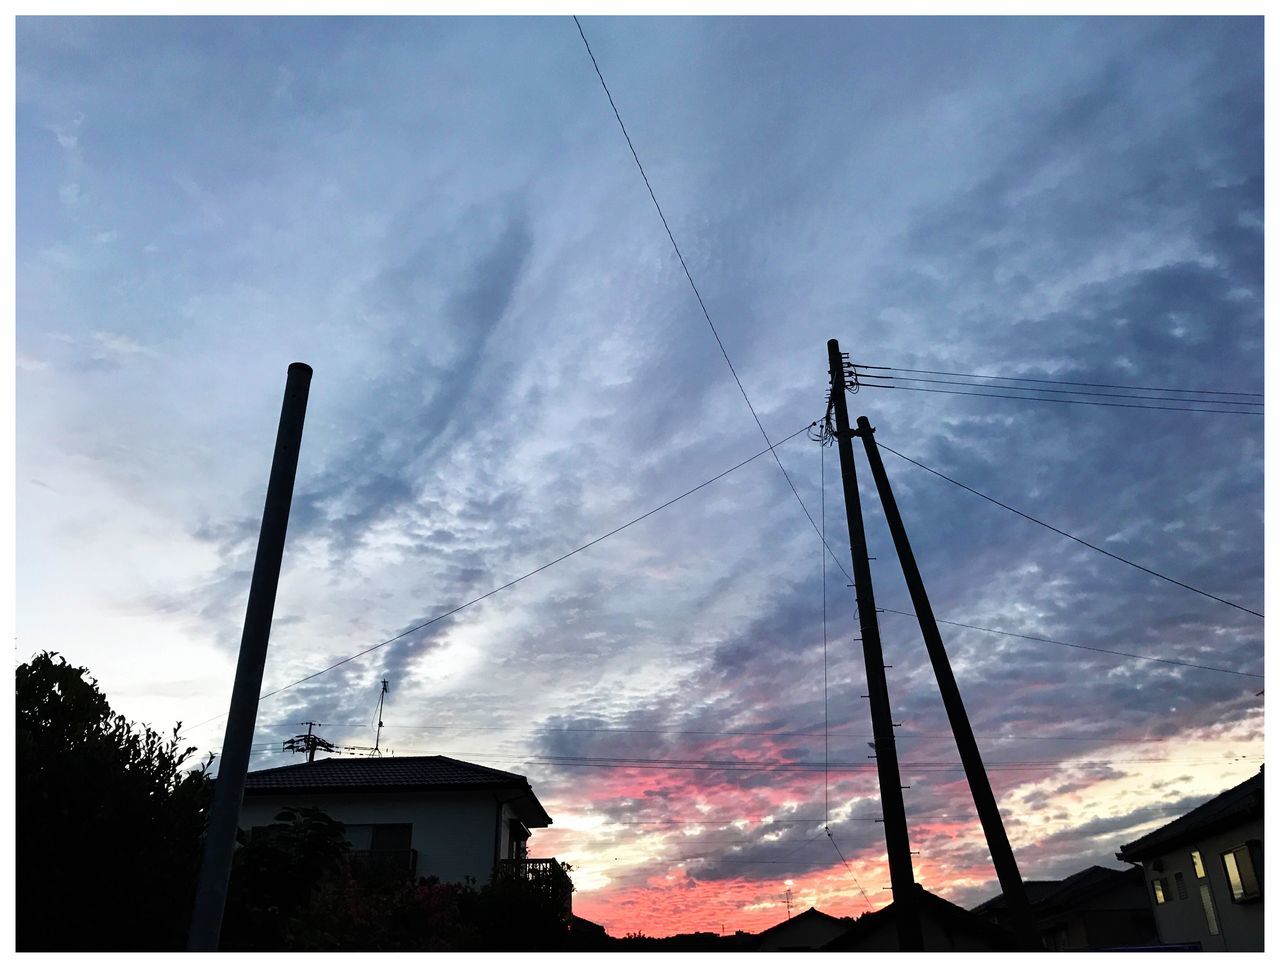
pixel 377 740
pixel 376 748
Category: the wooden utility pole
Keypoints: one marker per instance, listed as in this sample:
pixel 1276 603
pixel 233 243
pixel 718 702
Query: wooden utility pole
pixel 228 789
pixel 308 744
pixel 1006 866
pixel 897 841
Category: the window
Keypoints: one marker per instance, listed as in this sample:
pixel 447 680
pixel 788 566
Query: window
pixel 1197 863
pixel 1210 915
pixel 517 840
pixel 1157 888
pixel 1241 872
pixel 379 836
pixel 1180 883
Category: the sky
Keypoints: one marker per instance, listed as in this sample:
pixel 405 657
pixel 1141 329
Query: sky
pixel 443 218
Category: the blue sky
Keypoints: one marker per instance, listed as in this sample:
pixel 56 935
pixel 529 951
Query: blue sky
pixel 442 217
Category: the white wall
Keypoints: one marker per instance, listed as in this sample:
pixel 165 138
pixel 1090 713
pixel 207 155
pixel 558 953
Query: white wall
pixel 453 833
pixel 1180 921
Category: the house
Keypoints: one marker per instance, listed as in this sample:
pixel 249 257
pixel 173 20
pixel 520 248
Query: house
pixel 1203 872
pixel 1095 909
pixel 945 927
pixel 419 815
pixel 807 931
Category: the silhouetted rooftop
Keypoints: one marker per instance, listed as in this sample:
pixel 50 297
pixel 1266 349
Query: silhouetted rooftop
pixel 387 774
pixel 1046 896
pixel 930 906
pixel 1242 802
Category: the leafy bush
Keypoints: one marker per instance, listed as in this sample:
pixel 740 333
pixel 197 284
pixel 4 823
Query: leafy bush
pixel 293 888
pixel 108 823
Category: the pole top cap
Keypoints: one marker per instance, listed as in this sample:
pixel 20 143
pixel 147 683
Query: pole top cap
pixel 301 367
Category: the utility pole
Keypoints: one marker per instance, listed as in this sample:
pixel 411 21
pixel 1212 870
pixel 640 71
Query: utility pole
pixel 897 841
pixel 1006 866
pixel 308 744
pixel 228 790
pixel 788 898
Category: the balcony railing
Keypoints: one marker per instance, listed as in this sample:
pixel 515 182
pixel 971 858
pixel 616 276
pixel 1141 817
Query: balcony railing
pixel 385 864
pixel 544 875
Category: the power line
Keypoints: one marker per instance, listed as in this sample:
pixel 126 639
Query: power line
pixel 1089 648
pixel 743 766
pixel 1069 383
pixel 1042 390
pixel 529 574
pixel 865 899
pixel 726 822
pixel 462 727
pixel 694 286
pixel 1043 524
pixel 1086 403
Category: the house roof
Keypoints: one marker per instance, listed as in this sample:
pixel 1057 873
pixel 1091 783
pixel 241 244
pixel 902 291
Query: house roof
pixel 931 906
pixel 1048 896
pixel 1242 802
pixel 1037 891
pixel 811 914
pixel 393 774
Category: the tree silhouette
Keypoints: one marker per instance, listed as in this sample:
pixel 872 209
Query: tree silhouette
pixel 108 823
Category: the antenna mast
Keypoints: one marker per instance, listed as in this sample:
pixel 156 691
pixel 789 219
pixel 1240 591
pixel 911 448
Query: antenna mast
pixel 378 737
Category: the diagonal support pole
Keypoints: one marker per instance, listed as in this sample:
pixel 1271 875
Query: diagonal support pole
pixel 979 784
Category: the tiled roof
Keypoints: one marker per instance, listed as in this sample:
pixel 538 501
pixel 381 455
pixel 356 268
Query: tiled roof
pixel 1049 895
pixel 930 906
pixel 397 774
pixel 1090 884
pixel 812 914
pixel 1241 802
pixel 387 772
pixel 1037 891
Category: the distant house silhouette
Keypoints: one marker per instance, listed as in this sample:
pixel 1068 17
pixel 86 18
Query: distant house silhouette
pixel 1203 872
pixel 421 815
pixel 807 931
pixel 1096 908
pixel 945 926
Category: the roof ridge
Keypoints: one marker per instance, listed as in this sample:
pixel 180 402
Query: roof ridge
pixel 1216 807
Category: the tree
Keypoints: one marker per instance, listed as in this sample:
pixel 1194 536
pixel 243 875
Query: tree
pixel 108 822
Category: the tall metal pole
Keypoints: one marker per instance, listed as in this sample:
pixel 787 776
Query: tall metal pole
pixel 897 840
pixel 228 790
pixel 378 738
pixel 1006 866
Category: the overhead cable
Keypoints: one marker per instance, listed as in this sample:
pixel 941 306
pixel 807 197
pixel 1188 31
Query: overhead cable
pixel 1065 534
pixel 694 286
pixel 1086 403
pixel 1089 648
pixel 1043 390
pixel 1069 383
pixel 528 574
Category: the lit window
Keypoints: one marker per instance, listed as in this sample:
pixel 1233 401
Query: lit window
pixel 1241 875
pixel 1207 900
pixel 1157 886
pixel 1181 885
pixel 1199 864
